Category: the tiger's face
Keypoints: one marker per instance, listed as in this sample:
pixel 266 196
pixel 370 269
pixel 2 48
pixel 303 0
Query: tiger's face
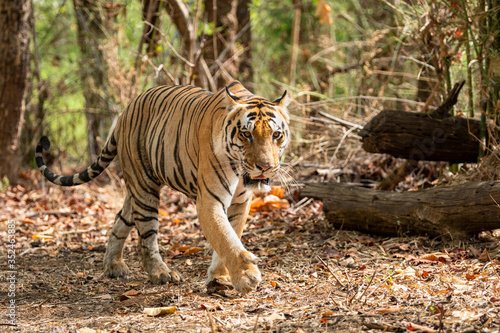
pixel 256 136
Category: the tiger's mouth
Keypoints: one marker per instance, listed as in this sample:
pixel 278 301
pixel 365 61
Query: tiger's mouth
pixel 249 181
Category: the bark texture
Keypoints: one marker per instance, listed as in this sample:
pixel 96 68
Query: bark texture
pixel 453 211
pixel 417 136
pixel 89 18
pixel 15 27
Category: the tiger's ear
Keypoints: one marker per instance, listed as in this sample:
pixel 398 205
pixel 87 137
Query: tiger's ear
pixel 283 100
pixel 231 99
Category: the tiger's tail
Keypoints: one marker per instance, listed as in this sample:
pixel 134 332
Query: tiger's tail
pixel 107 155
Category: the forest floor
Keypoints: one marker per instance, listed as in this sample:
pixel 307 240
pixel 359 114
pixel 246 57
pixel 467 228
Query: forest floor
pixel 361 282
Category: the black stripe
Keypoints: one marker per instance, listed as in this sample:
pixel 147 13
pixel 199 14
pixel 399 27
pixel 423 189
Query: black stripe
pixel 222 180
pixel 127 223
pixel 66 180
pixel 148 234
pixel 213 195
pixel 39 161
pixel 231 217
pixel 114 235
pixel 146 219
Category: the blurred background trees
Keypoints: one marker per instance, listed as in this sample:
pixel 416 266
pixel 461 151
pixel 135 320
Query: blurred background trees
pixel 349 59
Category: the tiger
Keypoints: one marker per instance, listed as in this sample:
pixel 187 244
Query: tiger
pixel 216 148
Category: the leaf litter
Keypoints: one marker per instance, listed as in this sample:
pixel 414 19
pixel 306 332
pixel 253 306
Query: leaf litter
pixel 315 278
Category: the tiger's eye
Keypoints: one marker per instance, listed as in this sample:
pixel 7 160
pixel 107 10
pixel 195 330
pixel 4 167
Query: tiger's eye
pixel 246 134
pixel 276 135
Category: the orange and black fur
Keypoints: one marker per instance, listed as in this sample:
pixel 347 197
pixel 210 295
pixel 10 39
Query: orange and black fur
pixel 215 148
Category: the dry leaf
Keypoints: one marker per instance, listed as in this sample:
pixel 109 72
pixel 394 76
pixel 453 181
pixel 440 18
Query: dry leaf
pixel 415 327
pixel 36 236
pixel 215 307
pixel 485 256
pixel 128 294
pixel 162 311
pixel 277 191
pixel 269 203
pixel 327 313
pixel 430 257
pixel 475 252
pixel 193 250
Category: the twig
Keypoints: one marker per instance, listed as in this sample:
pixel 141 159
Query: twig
pixel 341 121
pixel 441 314
pixel 333 300
pixel 368 286
pixel 228 47
pixel 375 98
pixel 494 201
pixel 181 58
pixel 256 323
pixel 211 322
pixel 431 97
pixel 42 303
pixel 340 144
pixel 302 204
pixel 379 285
pixel 331 272
pixel 197 59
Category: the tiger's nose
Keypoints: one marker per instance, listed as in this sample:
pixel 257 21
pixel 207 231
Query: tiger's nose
pixel 263 167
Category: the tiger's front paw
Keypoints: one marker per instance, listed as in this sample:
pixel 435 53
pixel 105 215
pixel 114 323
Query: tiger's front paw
pixel 115 268
pixel 161 274
pixel 245 276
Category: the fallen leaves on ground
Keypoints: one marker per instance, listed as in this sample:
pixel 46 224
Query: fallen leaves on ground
pixel 392 284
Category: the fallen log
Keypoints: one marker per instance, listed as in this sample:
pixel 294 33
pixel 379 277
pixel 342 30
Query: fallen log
pixel 417 136
pixel 454 211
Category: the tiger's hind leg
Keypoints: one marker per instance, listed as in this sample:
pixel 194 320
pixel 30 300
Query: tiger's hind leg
pixel 114 266
pixel 145 215
pixel 237 215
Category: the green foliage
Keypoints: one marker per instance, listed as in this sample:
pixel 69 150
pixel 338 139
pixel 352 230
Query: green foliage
pixel 4 184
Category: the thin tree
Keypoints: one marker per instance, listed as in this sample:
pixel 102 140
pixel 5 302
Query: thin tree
pixel 89 18
pixel 228 50
pixel 15 27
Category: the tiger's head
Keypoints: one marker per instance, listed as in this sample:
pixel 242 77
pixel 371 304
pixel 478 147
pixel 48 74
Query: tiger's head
pixel 256 135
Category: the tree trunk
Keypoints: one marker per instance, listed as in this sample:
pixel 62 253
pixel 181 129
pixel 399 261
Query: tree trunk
pixel 457 211
pixel 246 68
pixel 15 28
pixel 229 18
pixel 151 15
pixel 89 17
pixel 417 136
